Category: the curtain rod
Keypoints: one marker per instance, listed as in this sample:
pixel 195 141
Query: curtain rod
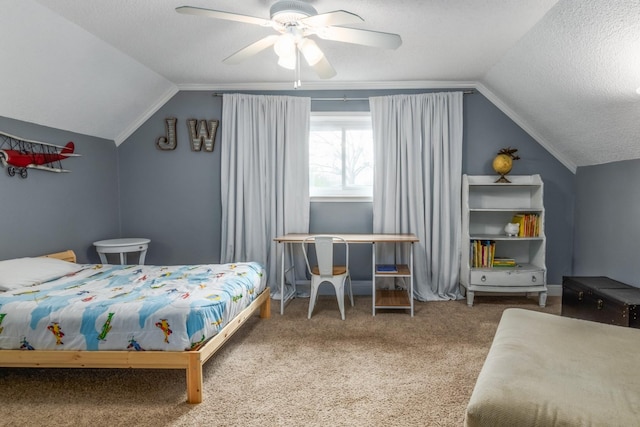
pixel 346 98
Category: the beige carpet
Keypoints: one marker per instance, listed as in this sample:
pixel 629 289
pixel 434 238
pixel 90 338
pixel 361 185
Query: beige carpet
pixel 387 370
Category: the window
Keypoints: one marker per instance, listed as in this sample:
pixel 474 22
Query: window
pixel 341 155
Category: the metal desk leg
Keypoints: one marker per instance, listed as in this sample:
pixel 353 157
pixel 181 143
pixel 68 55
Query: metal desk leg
pixel 411 277
pixel 282 257
pixel 373 278
pixel 292 269
pixel 286 296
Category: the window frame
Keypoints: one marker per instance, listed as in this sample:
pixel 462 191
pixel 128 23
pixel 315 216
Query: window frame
pixel 362 118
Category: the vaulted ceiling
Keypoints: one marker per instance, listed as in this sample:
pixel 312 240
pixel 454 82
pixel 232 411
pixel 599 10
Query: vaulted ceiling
pixel 566 71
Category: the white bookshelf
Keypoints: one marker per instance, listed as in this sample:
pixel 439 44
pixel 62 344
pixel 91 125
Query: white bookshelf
pixel 487 207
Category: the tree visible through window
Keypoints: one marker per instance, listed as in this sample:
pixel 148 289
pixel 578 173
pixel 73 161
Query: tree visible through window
pixel 340 155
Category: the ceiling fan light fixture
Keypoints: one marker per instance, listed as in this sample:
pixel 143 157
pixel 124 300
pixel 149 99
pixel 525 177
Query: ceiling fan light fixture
pixel 287 61
pixel 285 46
pixel 311 51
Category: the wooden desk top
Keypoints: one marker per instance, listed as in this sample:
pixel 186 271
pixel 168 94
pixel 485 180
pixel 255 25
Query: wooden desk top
pixel 352 238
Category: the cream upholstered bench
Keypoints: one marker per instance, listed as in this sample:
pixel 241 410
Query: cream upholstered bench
pixel 547 370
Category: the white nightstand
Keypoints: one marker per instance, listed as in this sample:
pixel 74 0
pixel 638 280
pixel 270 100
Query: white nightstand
pixel 122 247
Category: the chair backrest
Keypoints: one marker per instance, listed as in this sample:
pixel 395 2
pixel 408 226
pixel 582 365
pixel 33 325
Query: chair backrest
pixel 324 245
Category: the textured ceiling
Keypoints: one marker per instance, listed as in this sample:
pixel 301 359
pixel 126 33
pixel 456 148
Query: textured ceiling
pixel 573 78
pixel 566 71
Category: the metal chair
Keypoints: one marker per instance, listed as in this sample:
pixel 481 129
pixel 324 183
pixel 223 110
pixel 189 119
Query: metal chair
pixel 325 270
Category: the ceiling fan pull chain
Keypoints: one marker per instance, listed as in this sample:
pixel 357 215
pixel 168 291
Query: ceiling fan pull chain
pixel 297 82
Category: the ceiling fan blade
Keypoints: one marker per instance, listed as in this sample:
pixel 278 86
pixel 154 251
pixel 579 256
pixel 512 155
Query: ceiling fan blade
pixel 363 37
pixel 189 10
pixel 338 17
pixel 324 69
pixel 251 50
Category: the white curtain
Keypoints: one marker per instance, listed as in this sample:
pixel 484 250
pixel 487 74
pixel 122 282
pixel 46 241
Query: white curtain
pixel 417 180
pixel 265 176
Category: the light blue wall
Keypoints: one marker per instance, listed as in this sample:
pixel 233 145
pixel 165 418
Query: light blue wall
pixel 173 197
pixel 49 212
pixel 606 221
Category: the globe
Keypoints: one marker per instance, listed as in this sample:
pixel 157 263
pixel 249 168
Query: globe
pixel 502 164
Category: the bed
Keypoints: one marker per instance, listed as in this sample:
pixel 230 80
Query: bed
pixel 113 316
pixel 546 370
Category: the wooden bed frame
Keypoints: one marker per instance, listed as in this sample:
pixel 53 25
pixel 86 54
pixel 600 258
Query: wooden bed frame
pixel 192 360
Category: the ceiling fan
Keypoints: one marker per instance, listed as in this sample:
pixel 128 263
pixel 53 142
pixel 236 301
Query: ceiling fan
pixel 295 21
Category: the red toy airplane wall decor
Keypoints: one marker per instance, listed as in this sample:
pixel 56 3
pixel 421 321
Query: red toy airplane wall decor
pixel 18 155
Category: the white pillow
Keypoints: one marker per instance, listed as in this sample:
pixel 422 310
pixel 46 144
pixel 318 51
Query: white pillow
pixel 19 272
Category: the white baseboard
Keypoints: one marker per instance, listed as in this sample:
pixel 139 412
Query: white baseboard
pixel 363 287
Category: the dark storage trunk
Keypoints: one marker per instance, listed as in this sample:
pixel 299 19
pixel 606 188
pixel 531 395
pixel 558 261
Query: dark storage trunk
pixel 601 299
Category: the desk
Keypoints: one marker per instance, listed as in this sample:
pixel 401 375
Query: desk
pixel 122 247
pixel 381 299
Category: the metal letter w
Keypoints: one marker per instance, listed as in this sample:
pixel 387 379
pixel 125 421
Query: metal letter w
pixel 204 134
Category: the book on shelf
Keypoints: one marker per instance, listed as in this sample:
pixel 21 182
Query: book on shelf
pixel 503 262
pixel 529 224
pixel 482 253
pixel 386 268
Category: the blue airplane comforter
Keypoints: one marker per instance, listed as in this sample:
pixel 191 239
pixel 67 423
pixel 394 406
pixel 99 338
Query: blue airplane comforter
pixel 128 307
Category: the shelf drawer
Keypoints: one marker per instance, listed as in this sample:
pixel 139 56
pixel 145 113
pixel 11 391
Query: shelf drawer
pixel 507 277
